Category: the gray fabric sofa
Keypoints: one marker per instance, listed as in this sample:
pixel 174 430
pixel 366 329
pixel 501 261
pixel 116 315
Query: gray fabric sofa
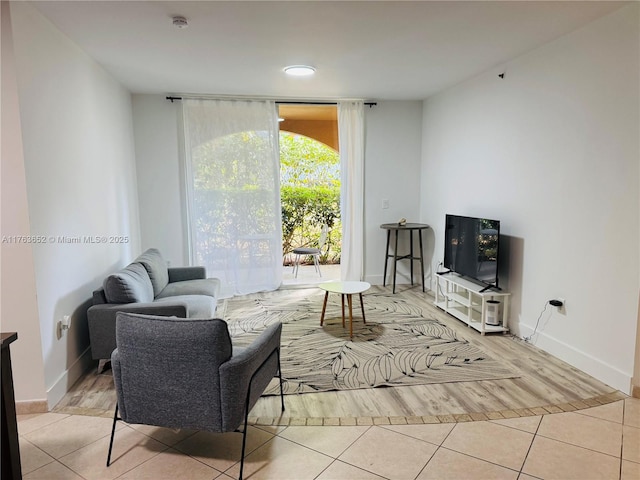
pixel 148 286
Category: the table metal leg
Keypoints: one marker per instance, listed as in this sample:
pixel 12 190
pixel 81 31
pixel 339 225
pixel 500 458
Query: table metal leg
pixel 395 263
pixel 386 260
pixel 324 307
pixel 411 254
pixel 350 300
pixel 342 310
pixel 421 258
pixel 362 307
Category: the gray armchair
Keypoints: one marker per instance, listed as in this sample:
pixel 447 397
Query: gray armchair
pixel 185 373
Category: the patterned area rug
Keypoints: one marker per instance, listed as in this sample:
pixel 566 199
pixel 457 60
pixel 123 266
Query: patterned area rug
pixel 401 343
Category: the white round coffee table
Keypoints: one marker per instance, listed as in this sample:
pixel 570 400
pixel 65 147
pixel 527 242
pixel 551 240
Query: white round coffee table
pixel 348 289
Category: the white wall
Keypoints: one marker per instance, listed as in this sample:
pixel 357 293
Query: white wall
pixel 552 151
pixel 81 181
pixel 18 304
pixel 160 180
pixel 393 132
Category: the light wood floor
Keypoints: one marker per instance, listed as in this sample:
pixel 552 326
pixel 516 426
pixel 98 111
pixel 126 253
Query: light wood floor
pixel 545 385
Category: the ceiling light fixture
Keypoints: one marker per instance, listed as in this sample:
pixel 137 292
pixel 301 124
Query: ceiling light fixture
pixel 180 22
pixel 299 70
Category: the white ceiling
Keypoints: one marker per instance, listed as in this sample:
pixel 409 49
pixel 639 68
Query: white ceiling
pixel 368 49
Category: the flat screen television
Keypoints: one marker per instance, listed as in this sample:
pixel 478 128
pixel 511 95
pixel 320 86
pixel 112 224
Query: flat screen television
pixel 471 248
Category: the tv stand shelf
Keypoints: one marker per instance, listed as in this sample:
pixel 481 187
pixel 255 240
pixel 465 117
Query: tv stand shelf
pixel 466 301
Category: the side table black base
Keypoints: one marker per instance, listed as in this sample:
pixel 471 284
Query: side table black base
pixel 410 227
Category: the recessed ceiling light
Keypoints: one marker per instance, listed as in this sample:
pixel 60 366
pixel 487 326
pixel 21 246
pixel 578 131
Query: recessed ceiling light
pixel 299 70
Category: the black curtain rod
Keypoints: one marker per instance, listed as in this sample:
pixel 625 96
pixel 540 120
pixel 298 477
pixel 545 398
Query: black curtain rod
pixel 370 104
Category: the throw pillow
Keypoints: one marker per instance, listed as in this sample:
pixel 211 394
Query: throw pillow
pixel 156 267
pixel 129 285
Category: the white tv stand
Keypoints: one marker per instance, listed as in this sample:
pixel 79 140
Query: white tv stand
pixel 464 300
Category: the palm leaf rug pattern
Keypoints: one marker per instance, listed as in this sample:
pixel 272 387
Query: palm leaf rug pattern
pixel 401 343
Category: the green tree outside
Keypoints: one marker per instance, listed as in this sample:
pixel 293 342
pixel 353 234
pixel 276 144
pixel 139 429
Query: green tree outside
pixel 310 195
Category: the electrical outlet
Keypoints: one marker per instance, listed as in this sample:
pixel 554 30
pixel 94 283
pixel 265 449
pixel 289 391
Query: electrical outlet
pixel 62 326
pixel 385 203
pixel 558 303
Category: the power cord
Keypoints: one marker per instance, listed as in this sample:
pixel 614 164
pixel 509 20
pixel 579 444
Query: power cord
pixel 439 286
pixel 442 293
pixel 528 339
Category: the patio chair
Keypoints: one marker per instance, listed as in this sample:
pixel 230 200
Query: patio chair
pixel 311 252
pixel 184 373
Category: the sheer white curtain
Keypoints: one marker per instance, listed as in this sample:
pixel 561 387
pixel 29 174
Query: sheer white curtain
pixel 351 138
pixel 233 192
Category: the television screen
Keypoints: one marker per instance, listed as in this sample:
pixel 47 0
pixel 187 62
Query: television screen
pixel 471 247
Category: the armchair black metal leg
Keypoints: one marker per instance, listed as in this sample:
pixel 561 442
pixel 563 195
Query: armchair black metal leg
pixel 248 400
pixel 244 433
pixel 244 443
pixel 280 378
pixel 113 431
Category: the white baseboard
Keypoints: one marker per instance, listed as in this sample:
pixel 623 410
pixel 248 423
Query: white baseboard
pixel 401 279
pixel 26 407
pixel 589 364
pixel 373 279
pixel 60 388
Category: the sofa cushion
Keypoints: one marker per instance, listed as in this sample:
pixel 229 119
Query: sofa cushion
pixel 198 306
pixel 131 284
pixel 156 268
pixel 207 286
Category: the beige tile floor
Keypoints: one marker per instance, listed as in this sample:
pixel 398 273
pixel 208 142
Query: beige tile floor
pixel 601 442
